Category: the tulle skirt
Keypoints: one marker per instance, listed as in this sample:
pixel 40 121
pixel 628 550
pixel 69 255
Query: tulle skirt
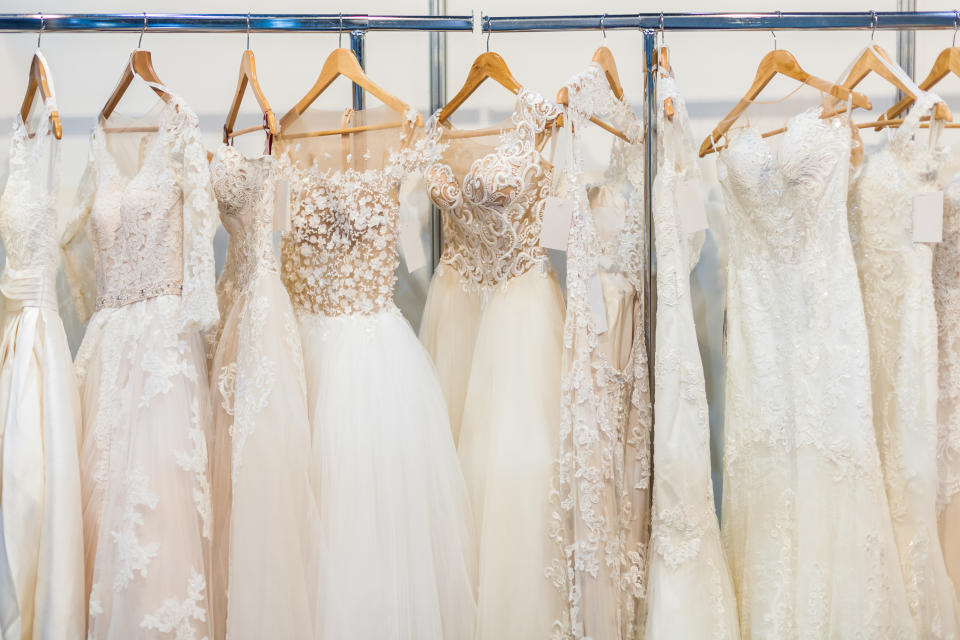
pixel 449 331
pixel 394 513
pixel 508 444
pixel 41 541
pixel 146 491
pixel 265 515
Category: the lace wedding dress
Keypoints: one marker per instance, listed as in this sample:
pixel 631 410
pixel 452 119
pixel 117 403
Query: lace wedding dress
pixel 491 193
pixel 41 533
pixel 687 561
pixel 805 518
pixel 897 285
pixel 602 486
pixel 394 512
pixel 946 288
pixel 265 517
pixel 146 208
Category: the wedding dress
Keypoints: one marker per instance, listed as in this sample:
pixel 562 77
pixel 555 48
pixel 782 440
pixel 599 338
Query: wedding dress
pixel 946 286
pixel 41 543
pixel 265 517
pixel 602 496
pixel 492 195
pixel 146 207
pixel 805 518
pixel 897 285
pixel 687 561
pixel 394 511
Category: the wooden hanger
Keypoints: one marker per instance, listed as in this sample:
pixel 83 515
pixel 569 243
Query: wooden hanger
pixel 876 60
pixel 663 65
pixel 604 58
pixel 487 65
pixel 248 77
pixel 39 83
pixel 140 64
pixel 342 62
pixel 780 61
pixel 948 61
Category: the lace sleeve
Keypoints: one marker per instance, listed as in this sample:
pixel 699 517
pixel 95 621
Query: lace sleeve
pixel 199 298
pixel 78 255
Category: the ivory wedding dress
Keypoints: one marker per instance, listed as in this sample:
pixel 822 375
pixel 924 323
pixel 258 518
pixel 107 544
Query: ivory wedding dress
pixel 265 515
pixel 146 207
pixel 602 497
pixel 505 299
pixel 41 533
pixel 687 561
pixel 394 512
pixel 805 519
pixel 897 285
pixel 946 287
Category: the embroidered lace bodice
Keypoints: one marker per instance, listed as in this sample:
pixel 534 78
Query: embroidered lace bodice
pixel 492 201
pixel 146 208
pixel 245 191
pixel 601 527
pixel 798 432
pixel 28 219
pixel 340 256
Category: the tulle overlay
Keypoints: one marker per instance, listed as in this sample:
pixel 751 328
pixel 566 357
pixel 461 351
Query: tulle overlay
pixel 146 491
pixel 508 444
pixel 449 331
pixel 394 514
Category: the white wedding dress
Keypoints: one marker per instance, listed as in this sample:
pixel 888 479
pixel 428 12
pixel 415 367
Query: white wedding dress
pixel 946 287
pixel 687 560
pixel 394 512
pixel 41 532
pixel 897 284
pixel 146 207
pixel 493 321
pixel 805 518
pixel 602 484
pixel 265 533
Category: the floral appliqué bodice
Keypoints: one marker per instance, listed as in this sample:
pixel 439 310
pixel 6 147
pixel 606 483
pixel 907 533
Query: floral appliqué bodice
pixel 28 218
pixel 151 226
pixel 340 256
pixel 492 214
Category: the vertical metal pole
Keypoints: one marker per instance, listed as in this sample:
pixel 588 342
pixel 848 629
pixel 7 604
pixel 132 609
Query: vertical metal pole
pixel 356 45
pixel 649 173
pixel 907 45
pixel 438 98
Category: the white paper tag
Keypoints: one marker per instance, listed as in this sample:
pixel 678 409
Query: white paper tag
pixel 281 206
pixel 928 216
pixel 595 300
pixel 690 208
pixel 555 228
pixel 411 245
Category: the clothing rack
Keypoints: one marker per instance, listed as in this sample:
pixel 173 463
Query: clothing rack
pixel 650 24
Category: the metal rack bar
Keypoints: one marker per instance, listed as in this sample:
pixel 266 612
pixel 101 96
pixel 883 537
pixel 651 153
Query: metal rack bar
pixel 275 23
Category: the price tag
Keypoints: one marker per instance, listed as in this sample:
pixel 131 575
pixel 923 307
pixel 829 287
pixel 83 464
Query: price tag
pixel 690 209
pixel 412 245
pixel 555 228
pixel 281 206
pixel 928 217
pixel 595 301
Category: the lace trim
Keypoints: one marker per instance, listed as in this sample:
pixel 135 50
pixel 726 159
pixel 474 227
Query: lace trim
pixel 129 296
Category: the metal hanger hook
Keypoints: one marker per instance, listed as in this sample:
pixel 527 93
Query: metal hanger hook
pixel 340 32
pixel 773 32
pixel 248 30
pixel 142 30
pixel 43 25
pixel 873 24
pixel 663 32
pixel 603 31
pixel 956 25
pixel 489 29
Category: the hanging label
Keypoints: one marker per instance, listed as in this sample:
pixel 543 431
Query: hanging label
pixel 595 301
pixel 281 206
pixel 411 245
pixel 928 217
pixel 555 227
pixel 690 208
pixel 562 147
